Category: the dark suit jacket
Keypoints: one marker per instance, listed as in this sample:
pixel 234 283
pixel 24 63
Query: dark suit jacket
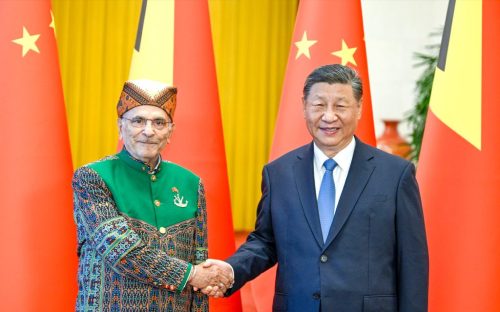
pixel 375 257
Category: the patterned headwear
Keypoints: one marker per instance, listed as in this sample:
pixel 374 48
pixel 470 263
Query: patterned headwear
pixel 147 92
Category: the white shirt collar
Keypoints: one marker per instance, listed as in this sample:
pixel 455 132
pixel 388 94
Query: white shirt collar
pixel 343 158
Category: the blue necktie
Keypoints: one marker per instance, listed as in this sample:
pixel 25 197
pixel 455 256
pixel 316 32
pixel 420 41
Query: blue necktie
pixel 326 198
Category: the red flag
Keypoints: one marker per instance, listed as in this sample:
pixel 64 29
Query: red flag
pixel 37 235
pixel 199 142
pixel 326 32
pixel 175 46
pixel 459 169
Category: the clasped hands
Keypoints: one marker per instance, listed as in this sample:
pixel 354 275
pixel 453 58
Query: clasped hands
pixel 212 277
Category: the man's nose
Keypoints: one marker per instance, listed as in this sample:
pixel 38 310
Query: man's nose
pixel 329 115
pixel 148 128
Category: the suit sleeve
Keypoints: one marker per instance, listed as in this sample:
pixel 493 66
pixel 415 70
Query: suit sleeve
pixel 413 258
pixel 258 253
pixel 200 301
pixel 100 225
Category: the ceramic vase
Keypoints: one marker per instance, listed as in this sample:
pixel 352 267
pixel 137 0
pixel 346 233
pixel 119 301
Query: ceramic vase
pixel 391 141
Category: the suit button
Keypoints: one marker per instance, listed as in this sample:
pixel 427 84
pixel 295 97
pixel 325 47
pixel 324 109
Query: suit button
pixel 323 258
pixel 316 296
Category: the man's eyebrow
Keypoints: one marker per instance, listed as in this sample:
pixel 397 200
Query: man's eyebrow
pixel 153 118
pixel 318 97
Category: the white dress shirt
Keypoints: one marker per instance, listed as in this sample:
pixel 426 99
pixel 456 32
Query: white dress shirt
pixel 343 160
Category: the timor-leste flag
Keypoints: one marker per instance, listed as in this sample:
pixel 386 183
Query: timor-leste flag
pixel 459 169
pixel 174 45
pixel 37 236
pixel 326 32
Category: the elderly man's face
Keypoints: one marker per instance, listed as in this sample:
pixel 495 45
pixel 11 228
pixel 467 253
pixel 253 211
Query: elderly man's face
pixel 332 114
pixel 145 143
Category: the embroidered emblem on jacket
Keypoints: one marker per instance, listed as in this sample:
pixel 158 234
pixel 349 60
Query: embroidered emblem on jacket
pixel 179 200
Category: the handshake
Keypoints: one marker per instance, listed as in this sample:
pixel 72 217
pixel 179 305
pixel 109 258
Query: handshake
pixel 212 277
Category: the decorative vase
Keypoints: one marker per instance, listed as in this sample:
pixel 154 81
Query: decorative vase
pixel 390 141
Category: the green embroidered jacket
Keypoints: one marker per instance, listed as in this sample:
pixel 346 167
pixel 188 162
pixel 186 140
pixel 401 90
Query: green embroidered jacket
pixel 139 232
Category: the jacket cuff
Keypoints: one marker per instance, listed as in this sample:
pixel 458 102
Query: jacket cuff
pixel 186 278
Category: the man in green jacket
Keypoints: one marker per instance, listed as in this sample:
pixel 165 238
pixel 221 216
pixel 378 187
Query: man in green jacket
pixel 141 221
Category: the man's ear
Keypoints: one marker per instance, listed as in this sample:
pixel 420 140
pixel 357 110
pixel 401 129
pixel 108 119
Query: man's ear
pixel 169 135
pixel 119 123
pixel 304 107
pixel 360 110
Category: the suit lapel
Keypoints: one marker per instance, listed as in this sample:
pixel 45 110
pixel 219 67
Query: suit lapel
pixel 304 180
pixel 359 174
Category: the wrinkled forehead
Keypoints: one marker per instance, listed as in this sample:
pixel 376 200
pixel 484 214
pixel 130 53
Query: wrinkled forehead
pixel 147 111
pixel 331 91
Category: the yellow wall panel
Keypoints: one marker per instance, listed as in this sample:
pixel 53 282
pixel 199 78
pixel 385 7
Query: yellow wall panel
pixel 251 42
pixel 95 41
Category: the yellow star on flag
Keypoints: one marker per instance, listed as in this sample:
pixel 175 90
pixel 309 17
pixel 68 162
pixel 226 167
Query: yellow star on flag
pixel 27 41
pixel 346 54
pixel 303 46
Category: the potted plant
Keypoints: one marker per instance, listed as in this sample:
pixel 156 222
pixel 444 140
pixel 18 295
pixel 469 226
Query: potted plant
pixel 417 116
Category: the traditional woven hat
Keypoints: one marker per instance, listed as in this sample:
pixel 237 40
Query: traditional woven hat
pixel 147 92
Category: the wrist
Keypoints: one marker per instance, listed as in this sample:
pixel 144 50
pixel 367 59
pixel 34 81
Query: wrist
pixel 232 275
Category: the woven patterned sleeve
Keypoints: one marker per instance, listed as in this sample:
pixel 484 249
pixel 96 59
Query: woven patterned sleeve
pixel 200 301
pixel 109 234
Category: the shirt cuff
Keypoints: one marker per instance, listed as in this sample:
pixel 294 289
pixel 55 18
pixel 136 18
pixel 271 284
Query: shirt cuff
pixel 186 277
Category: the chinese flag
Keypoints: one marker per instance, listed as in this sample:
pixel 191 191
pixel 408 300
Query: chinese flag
pixel 459 169
pixel 37 237
pixel 326 32
pixel 174 45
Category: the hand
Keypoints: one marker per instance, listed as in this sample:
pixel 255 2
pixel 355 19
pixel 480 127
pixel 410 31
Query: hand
pixel 218 290
pixel 213 277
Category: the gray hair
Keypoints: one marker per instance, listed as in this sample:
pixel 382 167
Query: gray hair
pixel 335 73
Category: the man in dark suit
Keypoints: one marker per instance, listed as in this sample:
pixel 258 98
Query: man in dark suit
pixel 342 219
